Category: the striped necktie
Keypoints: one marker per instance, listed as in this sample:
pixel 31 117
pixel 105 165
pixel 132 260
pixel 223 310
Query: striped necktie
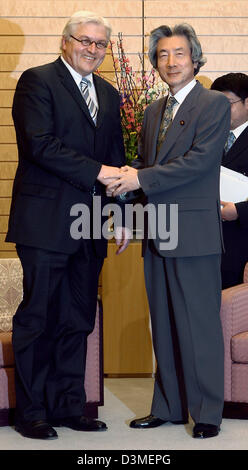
pixel 230 141
pixel 166 120
pixel 84 86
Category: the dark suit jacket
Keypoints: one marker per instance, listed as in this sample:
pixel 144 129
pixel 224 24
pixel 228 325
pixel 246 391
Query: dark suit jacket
pixel 60 155
pixel 186 169
pixel 235 233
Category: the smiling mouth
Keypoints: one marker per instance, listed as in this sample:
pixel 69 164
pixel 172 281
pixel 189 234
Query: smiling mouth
pixel 88 57
pixel 172 75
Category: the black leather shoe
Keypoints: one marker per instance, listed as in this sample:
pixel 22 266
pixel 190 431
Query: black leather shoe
pixel 150 422
pixel 80 423
pixel 203 431
pixel 36 430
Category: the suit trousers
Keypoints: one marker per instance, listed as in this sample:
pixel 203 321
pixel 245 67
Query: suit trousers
pixel 50 330
pixel 184 297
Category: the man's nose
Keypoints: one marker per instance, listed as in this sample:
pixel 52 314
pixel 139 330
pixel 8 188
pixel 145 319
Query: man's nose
pixel 171 60
pixel 92 47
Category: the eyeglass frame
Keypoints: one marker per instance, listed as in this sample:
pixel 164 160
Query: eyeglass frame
pixel 103 44
pixel 233 102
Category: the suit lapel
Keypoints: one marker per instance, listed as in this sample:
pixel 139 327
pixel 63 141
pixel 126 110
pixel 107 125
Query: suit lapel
pixel 69 83
pixel 238 147
pixel 154 126
pixel 179 123
pixel 102 99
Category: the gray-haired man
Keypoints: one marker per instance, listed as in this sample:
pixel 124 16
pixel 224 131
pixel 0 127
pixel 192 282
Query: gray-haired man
pixel 67 123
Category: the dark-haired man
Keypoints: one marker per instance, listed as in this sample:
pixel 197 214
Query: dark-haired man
pixel 235 216
pixel 179 163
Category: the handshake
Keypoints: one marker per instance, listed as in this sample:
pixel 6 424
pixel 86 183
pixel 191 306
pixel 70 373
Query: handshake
pixel 118 180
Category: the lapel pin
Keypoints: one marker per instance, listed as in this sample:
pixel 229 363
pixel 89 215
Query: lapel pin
pixel 182 123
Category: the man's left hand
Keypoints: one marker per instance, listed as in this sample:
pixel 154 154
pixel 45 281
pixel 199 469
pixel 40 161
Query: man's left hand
pixel 122 238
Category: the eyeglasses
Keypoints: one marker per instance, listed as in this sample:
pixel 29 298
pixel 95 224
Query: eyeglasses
pixel 233 102
pixel 87 42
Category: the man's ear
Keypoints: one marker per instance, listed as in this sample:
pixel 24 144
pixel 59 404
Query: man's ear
pixel 246 103
pixel 63 41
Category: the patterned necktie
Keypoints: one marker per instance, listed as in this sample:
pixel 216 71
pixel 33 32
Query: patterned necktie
pixel 166 120
pixel 230 141
pixel 84 86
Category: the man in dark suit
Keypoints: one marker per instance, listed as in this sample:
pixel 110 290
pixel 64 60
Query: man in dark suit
pixel 69 138
pixel 235 216
pixel 179 163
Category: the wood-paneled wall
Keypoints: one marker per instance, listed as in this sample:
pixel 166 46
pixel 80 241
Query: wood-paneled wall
pixel 30 33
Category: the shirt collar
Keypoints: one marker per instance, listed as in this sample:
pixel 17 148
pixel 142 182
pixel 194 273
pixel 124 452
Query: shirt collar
pixel 240 129
pixel 77 77
pixel 181 94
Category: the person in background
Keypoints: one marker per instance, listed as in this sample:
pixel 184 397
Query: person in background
pixel 235 157
pixel 69 139
pixel 179 160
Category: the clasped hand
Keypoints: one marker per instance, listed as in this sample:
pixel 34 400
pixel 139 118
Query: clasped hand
pixel 112 177
pixel 119 180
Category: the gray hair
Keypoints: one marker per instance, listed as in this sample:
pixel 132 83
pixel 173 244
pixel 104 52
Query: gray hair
pixel 82 17
pixel 183 29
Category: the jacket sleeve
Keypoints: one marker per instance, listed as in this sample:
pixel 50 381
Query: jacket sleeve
pixel 242 210
pixel 211 130
pixel 36 134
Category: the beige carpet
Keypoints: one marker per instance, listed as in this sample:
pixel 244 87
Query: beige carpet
pixel 126 399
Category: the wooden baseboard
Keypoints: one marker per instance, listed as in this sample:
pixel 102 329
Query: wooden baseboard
pixel 128 376
pixel 7 417
pixel 235 410
pixel 91 410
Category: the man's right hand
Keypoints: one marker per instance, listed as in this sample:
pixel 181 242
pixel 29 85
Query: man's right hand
pixel 108 174
pixel 228 211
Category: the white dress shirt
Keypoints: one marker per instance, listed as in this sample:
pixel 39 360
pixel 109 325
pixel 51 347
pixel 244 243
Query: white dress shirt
pixel 77 77
pixel 240 129
pixel 181 95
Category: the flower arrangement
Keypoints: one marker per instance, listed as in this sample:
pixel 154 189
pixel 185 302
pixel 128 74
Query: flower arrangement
pixel 137 90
